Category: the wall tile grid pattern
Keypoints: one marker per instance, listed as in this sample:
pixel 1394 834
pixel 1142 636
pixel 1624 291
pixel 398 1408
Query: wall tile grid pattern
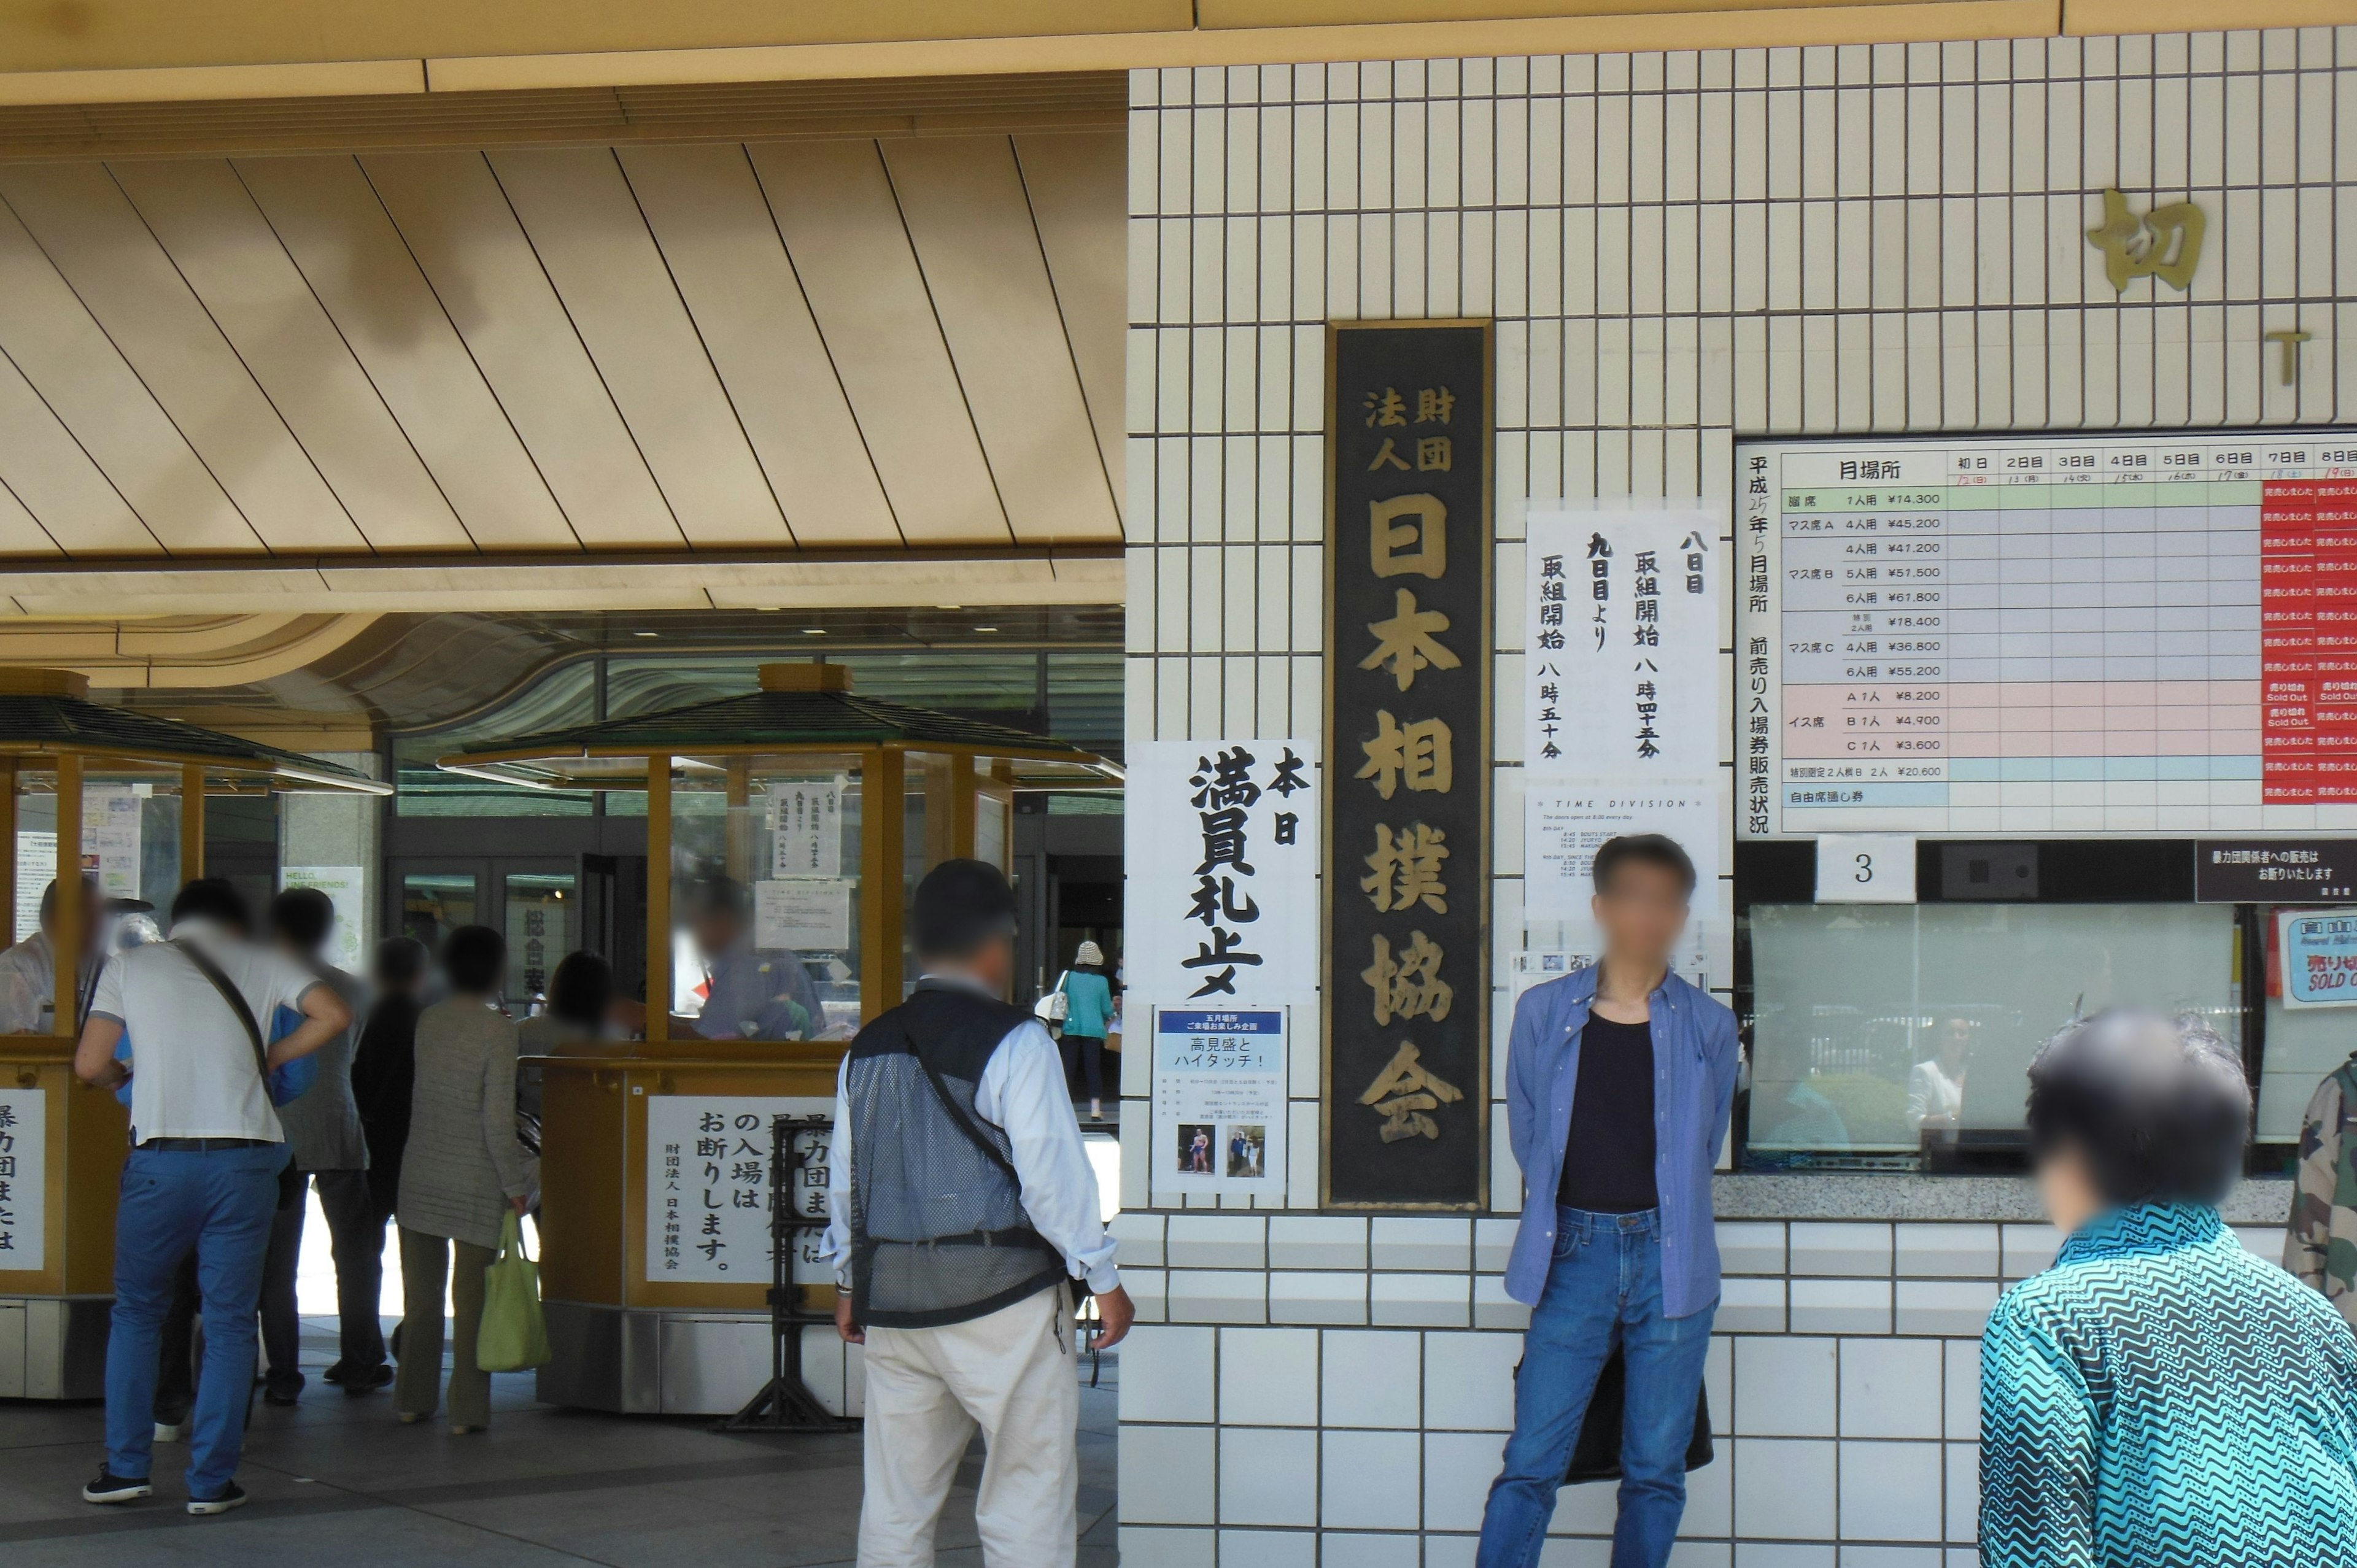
pixel 1675 248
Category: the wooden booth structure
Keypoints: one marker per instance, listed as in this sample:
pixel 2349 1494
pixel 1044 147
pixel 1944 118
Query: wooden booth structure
pixel 786 828
pixel 120 798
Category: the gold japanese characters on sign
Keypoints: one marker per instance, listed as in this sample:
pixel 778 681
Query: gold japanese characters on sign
pixel 2165 243
pixel 1403 1092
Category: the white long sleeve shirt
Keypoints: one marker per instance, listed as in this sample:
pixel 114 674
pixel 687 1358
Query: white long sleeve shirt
pixel 1022 1092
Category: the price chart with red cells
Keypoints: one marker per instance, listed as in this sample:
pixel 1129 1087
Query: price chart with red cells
pixel 2069 635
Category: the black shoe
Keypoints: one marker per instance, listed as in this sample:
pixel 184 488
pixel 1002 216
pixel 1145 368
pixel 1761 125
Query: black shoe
pixel 282 1397
pixel 367 1382
pixel 232 1496
pixel 334 1374
pixel 110 1488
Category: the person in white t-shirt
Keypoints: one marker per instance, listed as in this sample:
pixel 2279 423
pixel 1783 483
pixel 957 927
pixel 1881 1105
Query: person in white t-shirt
pixel 206 1148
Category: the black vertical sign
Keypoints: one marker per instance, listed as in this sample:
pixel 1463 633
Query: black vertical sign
pixel 1408 567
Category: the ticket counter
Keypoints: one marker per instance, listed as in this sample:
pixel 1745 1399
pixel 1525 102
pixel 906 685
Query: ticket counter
pixel 785 829
pixel 87 789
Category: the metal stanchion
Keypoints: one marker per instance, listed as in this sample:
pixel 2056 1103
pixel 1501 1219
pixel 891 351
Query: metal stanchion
pixel 785 1402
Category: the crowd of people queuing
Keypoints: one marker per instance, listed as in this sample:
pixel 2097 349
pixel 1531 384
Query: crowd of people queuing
pixel 2159 1395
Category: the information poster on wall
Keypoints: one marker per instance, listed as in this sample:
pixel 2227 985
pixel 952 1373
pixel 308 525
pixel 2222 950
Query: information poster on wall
pixel 1565 824
pixel 110 840
pixel 806 828
pixel 2318 951
pixel 707 1190
pixel 347 888
pixel 1219 1102
pixel 37 864
pixel 24 1179
pixel 803 914
pixel 1221 904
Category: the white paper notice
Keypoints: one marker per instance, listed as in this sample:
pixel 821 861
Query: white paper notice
pixel 36 866
pixel 347 889
pixel 24 1179
pixel 1222 906
pixel 110 840
pixel 709 1186
pixel 1564 824
pixel 1219 1102
pixel 807 914
pixel 806 828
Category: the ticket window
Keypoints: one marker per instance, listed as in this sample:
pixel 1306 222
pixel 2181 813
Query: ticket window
pixel 130 850
pixel 765 898
pixel 1887 1031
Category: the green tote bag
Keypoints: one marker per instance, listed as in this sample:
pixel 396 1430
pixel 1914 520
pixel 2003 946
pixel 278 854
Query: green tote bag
pixel 514 1335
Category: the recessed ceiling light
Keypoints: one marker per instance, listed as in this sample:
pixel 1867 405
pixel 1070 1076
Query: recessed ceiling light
pixel 814 631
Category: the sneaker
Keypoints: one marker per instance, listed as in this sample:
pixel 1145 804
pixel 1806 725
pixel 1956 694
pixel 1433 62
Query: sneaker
pixel 367 1382
pixel 232 1496
pixel 171 1431
pixel 110 1488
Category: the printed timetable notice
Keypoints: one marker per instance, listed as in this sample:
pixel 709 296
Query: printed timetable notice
pixel 2086 634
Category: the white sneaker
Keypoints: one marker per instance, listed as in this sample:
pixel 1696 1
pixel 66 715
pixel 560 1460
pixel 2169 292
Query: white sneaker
pixel 171 1432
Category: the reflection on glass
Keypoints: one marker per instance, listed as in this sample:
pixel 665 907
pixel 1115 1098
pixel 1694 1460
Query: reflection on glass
pixel 2303 1045
pixel 541 910
pixel 1901 1029
pixel 435 904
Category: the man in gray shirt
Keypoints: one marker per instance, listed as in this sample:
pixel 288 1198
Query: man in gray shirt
pixel 323 1127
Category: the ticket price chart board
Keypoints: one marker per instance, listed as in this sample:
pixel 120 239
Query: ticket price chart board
pixel 2075 634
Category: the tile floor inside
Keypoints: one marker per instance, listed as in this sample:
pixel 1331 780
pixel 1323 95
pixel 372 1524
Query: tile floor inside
pixel 337 1481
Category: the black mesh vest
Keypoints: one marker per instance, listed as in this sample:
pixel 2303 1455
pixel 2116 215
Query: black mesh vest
pixel 938 1230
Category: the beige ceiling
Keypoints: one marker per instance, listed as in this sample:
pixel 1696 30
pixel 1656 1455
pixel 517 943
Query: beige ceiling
pixel 749 351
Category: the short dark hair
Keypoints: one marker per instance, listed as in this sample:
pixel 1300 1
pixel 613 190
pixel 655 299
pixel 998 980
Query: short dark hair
pixel 476 959
pixel 213 898
pixel 400 960
pixel 2160 1108
pixel 50 898
pixel 960 905
pixel 1642 849
pixel 303 915
pixel 581 988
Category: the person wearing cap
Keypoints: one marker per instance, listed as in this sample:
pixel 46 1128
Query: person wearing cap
pixel 1089 993
pixel 28 971
pixel 961 1212
pixel 751 994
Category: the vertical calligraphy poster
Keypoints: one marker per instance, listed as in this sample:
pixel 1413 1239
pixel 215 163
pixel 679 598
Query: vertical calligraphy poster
pixel 1409 547
pixel 708 1187
pixel 1221 864
pixel 23 1180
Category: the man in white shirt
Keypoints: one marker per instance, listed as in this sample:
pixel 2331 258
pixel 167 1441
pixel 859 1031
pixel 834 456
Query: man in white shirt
pixel 961 1206
pixel 28 971
pixel 206 1148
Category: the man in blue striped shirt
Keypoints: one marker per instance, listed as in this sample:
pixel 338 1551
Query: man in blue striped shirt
pixel 1619 1078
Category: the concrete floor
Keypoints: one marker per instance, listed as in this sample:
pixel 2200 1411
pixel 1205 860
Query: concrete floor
pixel 337 1481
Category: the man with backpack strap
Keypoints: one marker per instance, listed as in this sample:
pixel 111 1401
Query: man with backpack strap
pixel 206 1150
pixel 962 1211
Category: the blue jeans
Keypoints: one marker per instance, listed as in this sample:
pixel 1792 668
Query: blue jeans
pixel 1604 1283
pixel 218 1203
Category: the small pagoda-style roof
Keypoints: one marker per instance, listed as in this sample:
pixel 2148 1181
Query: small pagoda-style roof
pixel 800 707
pixel 46 711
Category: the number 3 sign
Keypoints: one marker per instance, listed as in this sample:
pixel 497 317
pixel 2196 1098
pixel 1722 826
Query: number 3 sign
pixel 1865 868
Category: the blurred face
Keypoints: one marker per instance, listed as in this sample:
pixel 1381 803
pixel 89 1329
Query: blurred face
pixel 2067 1190
pixel 992 964
pixel 715 930
pixel 1641 912
pixel 1955 1041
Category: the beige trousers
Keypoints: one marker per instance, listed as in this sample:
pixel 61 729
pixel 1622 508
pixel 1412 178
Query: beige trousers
pixel 425 1270
pixel 1010 1373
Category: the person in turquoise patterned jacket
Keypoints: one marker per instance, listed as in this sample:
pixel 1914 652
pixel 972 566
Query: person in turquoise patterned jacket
pixel 2159 1398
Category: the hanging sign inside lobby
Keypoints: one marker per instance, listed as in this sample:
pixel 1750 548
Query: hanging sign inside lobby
pixel 23 1180
pixel 1219 1102
pixel 1407 886
pixel 2275 871
pixel 708 1187
pixel 1221 863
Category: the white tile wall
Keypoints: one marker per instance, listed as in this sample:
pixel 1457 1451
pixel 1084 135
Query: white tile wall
pixel 1675 247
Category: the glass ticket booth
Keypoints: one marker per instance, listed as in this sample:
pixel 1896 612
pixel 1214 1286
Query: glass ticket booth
pixel 785 830
pixel 104 812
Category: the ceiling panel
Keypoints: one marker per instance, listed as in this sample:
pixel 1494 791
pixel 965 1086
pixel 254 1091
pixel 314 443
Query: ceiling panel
pixel 1078 186
pixel 582 219
pixel 705 209
pixel 962 199
pixel 68 359
pixel 325 212
pixel 460 226
pixel 843 229
pixel 19 533
pixel 98 245
pixel 56 482
pixel 225 250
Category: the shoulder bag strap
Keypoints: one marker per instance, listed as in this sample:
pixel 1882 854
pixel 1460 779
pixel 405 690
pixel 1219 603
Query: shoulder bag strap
pixel 234 997
pixel 963 1117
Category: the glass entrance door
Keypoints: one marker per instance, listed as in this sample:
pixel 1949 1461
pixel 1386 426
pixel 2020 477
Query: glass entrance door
pixel 534 902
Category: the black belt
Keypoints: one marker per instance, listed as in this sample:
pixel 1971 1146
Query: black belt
pixel 202 1145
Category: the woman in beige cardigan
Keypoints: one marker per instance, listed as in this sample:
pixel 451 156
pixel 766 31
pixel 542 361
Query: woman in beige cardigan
pixel 463 1168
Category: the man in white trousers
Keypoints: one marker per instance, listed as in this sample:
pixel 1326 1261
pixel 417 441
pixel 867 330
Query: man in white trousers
pixel 962 1210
